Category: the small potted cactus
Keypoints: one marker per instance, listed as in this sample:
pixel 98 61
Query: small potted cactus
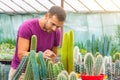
pixel 93 67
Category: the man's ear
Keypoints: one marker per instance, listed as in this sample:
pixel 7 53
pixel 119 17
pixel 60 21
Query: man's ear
pixel 47 15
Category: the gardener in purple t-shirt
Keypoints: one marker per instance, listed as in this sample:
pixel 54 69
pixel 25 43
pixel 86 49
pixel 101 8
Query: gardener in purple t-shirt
pixel 48 36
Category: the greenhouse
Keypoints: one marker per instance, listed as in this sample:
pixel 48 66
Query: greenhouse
pixel 59 40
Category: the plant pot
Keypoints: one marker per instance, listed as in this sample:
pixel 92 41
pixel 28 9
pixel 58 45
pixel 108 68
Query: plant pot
pixel 85 77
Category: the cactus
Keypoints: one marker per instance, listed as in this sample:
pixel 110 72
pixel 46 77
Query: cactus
pixel 61 67
pixel 67 57
pixel 61 77
pixel 93 45
pixel 82 69
pixel 89 63
pixel 77 68
pixel 28 72
pixel 34 65
pixel 43 65
pixel 117 56
pixel 76 52
pixel 33 43
pixel 50 70
pixel 109 71
pixel 64 53
pixel 73 76
pixel 56 71
pixel 70 51
pixel 20 68
pixel 98 65
pixel 88 46
pixel 64 72
pixel 79 58
pixel 117 69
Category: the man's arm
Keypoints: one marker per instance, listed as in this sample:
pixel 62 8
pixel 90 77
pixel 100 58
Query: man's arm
pixel 23 47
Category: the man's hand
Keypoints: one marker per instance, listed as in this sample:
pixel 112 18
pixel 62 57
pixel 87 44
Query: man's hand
pixel 49 54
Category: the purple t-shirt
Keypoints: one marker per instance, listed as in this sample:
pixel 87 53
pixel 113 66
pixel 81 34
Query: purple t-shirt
pixel 45 40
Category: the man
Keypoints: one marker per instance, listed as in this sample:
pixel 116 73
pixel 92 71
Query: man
pixel 48 36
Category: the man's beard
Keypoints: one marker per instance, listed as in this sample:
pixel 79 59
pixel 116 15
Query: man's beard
pixel 46 29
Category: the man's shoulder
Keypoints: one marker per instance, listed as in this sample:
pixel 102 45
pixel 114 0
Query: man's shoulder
pixel 31 20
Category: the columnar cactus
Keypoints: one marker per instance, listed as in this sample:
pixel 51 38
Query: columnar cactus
pixel 33 43
pixel 117 69
pixel 20 68
pixel 70 51
pixel 28 72
pixel 64 53
pixel 50 70
pixel 98 65
pixel 42 65
pixel 56 71
pixel 109 71
pixel 76 52
pixel 73 76
pixel 77 68
pixel 67 57
pixel 89 63
pixel 34 65
pixel 61 67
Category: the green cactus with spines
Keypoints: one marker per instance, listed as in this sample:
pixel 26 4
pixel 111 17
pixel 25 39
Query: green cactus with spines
pixel 117 56
pixel 43 65
pixel 50 70
pixel 34 65
pixel 109 71
pixel 61 67
pixel 64 53
pixel 117 69
pixel 28 72
pixel 82 69
pixel 89 63
pixel 98 65
pixel 77 68
pixel 56 71
pixel 33 43
pixel 70 51
pixel 73 76
pixel 61 77
pixel 20 68
pixel 64 72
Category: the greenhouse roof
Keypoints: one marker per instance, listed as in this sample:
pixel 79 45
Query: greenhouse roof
pixel 37 6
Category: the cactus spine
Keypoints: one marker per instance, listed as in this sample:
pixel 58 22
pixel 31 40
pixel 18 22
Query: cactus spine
pixel 89 63
pixel 20 68
pixel 73 76
pixel 98 65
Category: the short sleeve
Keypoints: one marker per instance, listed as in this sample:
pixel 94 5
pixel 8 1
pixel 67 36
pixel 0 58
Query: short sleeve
pixel 57 37
pixel 24 31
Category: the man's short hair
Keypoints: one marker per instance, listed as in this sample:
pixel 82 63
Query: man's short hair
pixel 58 11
